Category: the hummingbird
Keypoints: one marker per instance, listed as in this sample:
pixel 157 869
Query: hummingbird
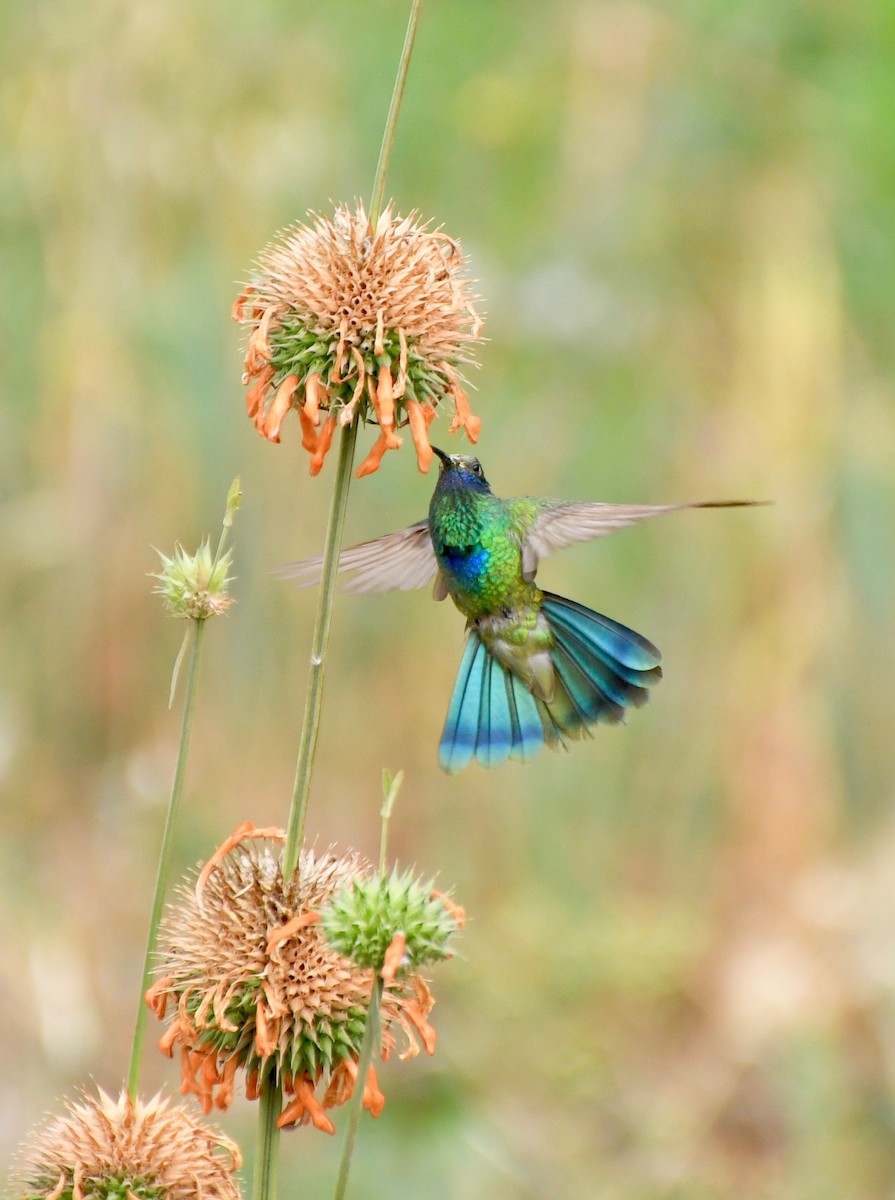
pixel 537 668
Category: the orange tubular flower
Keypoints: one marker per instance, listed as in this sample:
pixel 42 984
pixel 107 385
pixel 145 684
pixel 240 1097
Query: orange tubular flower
pixel 249 978
pixel 362 322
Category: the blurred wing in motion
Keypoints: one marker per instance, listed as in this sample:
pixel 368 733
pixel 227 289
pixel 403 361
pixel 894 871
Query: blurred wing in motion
pixel 398 561
pixel 560 524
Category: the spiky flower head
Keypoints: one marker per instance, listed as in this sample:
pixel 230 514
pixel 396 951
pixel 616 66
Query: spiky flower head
pixel 374 915
pixel 195 585
pixel 355 321
pixel 250 980
pixel 122 1150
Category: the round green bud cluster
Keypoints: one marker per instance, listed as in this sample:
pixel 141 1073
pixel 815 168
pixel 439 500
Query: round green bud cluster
pixel 194 585
pixel 363 919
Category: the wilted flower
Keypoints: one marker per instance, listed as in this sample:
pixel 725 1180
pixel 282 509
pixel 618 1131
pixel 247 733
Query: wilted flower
pixel 250 978
pixel 119 1150
pixel 348 320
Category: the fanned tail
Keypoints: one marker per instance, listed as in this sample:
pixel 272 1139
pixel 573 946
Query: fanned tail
pixel 601 668
pixel 492 716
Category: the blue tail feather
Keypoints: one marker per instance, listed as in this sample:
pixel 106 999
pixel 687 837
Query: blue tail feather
pixel 458 740
pixel 601 668
pixel 623 645
pixel 528 731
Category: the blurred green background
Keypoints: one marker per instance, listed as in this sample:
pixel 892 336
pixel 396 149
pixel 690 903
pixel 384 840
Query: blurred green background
pixel 677 976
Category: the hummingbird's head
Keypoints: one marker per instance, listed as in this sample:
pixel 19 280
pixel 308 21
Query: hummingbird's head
pixel 461 471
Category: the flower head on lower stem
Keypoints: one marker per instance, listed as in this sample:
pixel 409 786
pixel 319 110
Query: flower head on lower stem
pixel 195 585
pixel 247 976
pixel 354 321
pixel 127 1150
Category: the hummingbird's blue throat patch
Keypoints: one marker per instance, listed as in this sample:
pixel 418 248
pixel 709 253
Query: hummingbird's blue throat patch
pixel 468 564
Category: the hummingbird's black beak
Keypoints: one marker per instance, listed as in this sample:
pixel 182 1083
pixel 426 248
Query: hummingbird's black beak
pixel 445 458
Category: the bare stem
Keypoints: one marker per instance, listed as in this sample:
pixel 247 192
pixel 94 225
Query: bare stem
pixel 370 1039
pixel 164 863
pixel 270 1101
pixel 391 123
pixel 314 702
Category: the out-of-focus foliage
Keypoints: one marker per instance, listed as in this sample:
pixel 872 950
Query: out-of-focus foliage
pixel 677 977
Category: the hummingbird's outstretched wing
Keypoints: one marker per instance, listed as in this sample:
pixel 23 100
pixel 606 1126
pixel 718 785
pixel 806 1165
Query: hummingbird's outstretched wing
pixel 560 523
pixel 398 561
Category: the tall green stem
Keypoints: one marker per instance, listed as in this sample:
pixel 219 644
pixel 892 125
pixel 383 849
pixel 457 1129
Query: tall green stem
pixel 371 1039
pixel 391 122
pixel 164 863
pixel 314 701
pixel 270 1101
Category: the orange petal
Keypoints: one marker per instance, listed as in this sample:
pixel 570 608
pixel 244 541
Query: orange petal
pixel 156 997
pixel 227 1078
pixel 269 425
pixel 169 1038
pixel 253 1086
pixel 311 405
pixel 256 393
pixel 341 1084
pixel 415 1014
pixel 393 957
pixel 239 835
pixel 374 458
pixel 456 910
pixel 324 441
pixel 304 1107
pixel 236 312
pixel 202 1088
pixel 463 417
pixel 374 1100
pixel 285 932
pixel 420 433
pixel 309 435
pixel 385 397
pixel 265 1038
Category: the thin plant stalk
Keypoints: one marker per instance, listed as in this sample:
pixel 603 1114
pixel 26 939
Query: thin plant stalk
pixel 270 1100
pixel 332 545
pixel 371 1038
pixel 164 863
pixel 391 121
pixel 314 702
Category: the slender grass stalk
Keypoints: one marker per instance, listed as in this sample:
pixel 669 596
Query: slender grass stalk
pixel 391 121
pixel 371 1038
pixel 332 545
pixel 314 702
pixel 270 1101
pixel 391 785
pixel 164 863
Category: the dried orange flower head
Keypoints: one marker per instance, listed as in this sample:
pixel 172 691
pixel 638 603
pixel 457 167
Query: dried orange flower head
pixel 116 1149
pixel 251 983
pixel 351 321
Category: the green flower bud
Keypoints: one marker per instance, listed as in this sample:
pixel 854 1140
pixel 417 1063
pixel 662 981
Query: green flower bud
pixel 194 585
pixel 363 919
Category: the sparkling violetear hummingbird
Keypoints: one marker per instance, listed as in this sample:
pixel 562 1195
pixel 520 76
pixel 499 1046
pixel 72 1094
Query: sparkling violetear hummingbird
pixel 537 668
